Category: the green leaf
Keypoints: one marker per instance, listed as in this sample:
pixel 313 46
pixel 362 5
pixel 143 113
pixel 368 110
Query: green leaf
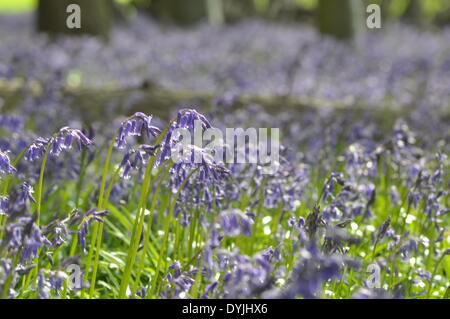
pixel 447 293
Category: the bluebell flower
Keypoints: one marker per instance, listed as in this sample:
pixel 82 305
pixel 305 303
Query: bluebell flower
pixel 176 267
pixel 132 160
pixel 6 266
pixel 313 269
pixel 42 286
pixel 185 119
pixel 209 289
pixel 83 230
pixel 37 149
pixel 205 185
pixel 63 139
pixel 11 123
pixel 26 193
pixel 3 205
pixel 247 277
pixel 141 292
pixel 134 126
pixel 5 164
pixel 394 195
pixel 329 186
pixel 234 222
pixel 178 280
pixel 292 222
pixel 56 280
pixel 382 231
pixel 25 236
pixel 135 158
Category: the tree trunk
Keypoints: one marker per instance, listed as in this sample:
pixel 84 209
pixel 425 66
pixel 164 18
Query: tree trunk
pixel 95 17
pixel 215 12
pixel 414 13
pixel 181 12
pixel 339 18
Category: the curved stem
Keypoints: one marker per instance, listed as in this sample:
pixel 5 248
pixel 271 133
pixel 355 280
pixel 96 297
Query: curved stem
pixel 430 286
pixel 138 222
pixel 41 184
pixel 10 277
pixel 96 229
pixel 258 213
pixel 166 232
pixel 149 227
pixel 137 231
pixel 100 234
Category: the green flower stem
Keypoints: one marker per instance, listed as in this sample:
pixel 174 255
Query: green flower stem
pixel 34 272
pixel 95 231
pixel 81 177
pixel 149 226
pixel 41 185
pixel 139 222
pixel 100 236
pixel 430 285
pixel 73 245
pixel 4 218
pixel 192 232
pixel 276 221
pixel 10 277
pixel 193 229
pixel 137 230
pixel 162 256
pixel 258 215
pixel 198 277
pixel 177 239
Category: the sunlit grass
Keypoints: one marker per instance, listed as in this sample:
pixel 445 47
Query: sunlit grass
pixel 17 6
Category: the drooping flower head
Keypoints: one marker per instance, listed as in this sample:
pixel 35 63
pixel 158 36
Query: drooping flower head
pixel 134 157
pixel 135 126
pixel 189 158
pixel 65 138
pixel 234 222
pixel 5 164
pixel 92 214
pixel 186 119
pixel 24 236
pixel 62 140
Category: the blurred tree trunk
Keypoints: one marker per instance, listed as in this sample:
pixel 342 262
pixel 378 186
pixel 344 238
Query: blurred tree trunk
pixel 181 12
pixel 96 16
pixel 443 17
pixel 236 10
pixel 215 12
pixel 340 18
pixel 414 12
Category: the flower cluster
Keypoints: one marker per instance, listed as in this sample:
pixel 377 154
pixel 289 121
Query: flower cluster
pixel 57 143
pixel 134 126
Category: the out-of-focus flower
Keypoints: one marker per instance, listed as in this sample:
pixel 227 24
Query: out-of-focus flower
pixel 5 164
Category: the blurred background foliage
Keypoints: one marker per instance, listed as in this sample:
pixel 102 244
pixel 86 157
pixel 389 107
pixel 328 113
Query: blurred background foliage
pixel 424 13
